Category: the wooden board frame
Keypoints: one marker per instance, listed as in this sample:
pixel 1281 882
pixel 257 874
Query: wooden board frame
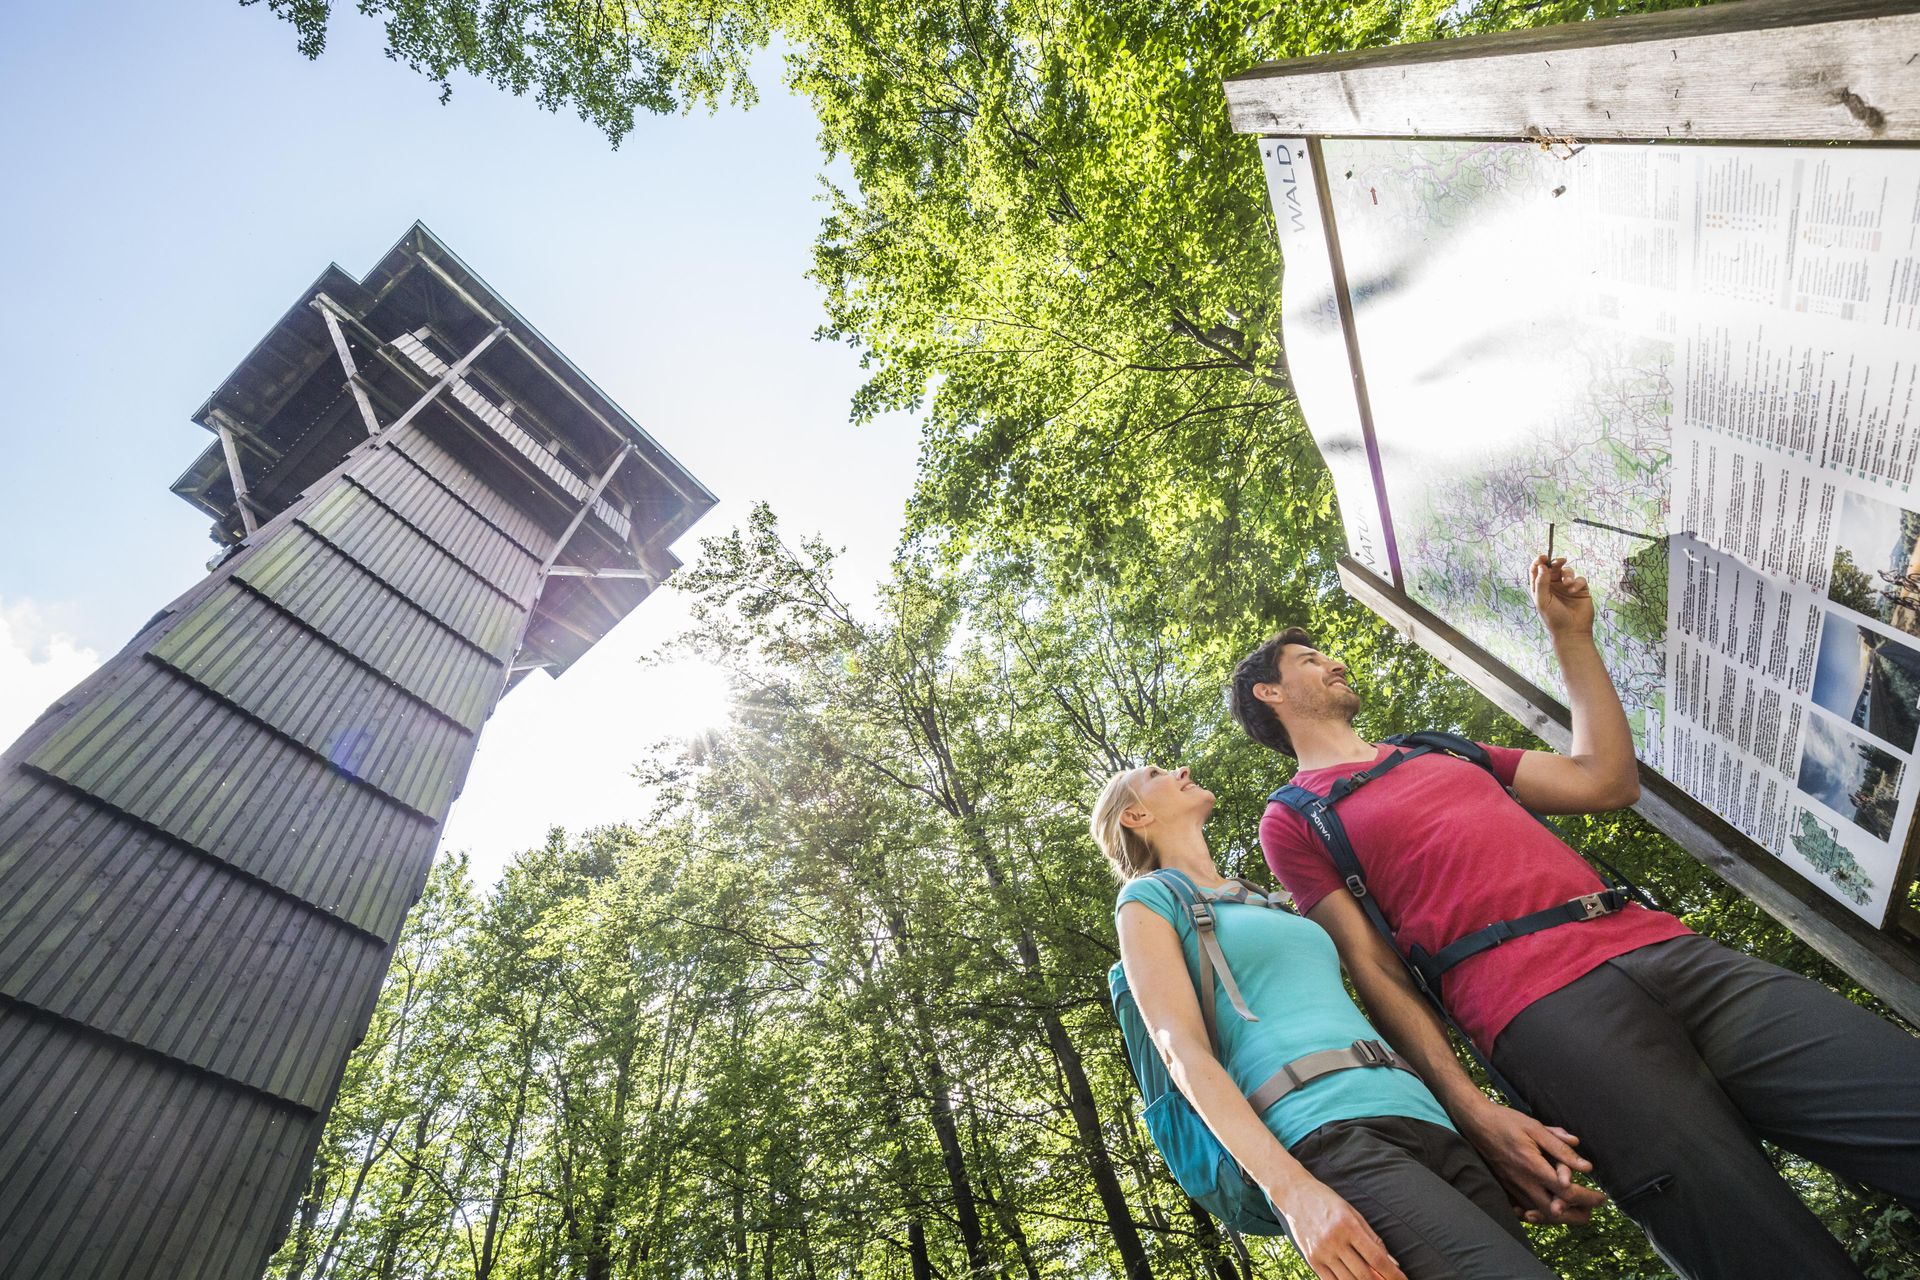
pixel 1751 71
pixel 1744 72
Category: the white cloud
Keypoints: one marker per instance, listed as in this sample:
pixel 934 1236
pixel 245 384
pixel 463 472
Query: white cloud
pixel 38 663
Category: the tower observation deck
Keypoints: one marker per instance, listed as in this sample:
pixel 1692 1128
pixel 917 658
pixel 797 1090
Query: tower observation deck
pixel 209 846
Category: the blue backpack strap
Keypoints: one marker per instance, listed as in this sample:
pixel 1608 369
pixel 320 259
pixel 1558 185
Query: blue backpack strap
pixel 1213 961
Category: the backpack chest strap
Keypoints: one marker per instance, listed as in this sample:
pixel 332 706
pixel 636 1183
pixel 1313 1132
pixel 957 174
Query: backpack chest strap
pixel 1305 1070
pixel 1588 906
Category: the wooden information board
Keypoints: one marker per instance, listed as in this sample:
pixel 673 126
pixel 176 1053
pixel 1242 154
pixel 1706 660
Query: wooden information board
pixel 1614 285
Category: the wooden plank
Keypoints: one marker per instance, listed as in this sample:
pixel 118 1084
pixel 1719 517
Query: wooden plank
pixel 587 571
pixel 535 452
pixel 1761 70
pixel 330 311
pixel 665 473
pixel 1362 402
pixel 235 475
pixel 452 375
pixel 1875 960
pixel 588 503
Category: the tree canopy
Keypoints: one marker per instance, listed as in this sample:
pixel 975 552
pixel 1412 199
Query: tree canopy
pixel 835 1006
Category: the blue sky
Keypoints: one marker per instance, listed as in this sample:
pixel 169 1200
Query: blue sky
pixel 177 174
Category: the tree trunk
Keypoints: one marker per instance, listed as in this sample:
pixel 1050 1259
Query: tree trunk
pixel 806 1247
pixel 490 1242
pixel 309 1215
pixel 737 1234
pixel 742 1157
pixel 939 1097
pixel 965 1209
pixel 1080 1100
pixel 1086 1120
pixel 600 1229
pixel 402 1202
pixel 917 1251
pixel 960 804
pixel 1213 1245
pixel 1005 1213
pixel 660 1154
pixel 374 1146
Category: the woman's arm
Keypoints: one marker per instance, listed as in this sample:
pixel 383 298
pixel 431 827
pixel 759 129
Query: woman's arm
pixel 1332 1236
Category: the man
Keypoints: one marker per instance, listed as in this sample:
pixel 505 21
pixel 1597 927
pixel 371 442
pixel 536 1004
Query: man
pixel 1669 1055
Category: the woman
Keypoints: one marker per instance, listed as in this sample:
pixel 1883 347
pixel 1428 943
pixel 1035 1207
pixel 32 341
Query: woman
pixel 1361 1163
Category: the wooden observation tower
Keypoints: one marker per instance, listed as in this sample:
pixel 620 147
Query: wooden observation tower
pixel 208 847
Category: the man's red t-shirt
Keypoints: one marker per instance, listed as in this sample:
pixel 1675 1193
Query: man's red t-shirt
pixel 1447 852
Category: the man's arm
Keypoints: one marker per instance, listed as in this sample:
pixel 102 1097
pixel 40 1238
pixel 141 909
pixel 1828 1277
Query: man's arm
pixel 1535 1162
pixel 1599 773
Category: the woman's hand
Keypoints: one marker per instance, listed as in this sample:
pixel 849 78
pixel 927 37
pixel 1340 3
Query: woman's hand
pixel 1332 1236
pixel 1535 1163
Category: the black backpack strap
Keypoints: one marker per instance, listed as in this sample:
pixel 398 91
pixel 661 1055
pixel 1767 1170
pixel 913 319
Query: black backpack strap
pixel 1451 743
pixel 1318 813
pixel 1588 906
pixel 1344 787
pixel 1427 968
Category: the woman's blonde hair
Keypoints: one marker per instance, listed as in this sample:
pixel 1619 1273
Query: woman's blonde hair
pixel 1125 848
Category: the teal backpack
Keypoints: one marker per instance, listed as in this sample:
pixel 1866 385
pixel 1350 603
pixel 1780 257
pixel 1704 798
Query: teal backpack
pixel 1202 1167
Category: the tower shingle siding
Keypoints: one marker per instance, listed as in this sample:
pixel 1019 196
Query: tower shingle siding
pixel 208 848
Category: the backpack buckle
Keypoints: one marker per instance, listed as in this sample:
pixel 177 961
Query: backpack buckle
pixel 1202 916
pixel 1356 886
pixel 1371 1053
pixel 1594 905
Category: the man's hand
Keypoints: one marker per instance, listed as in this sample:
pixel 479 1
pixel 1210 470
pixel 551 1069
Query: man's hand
pixel 1332 1236
pixel 1535 1163
pixel 1564 602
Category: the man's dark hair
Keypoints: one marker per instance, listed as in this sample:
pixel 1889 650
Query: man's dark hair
pixel 1262 666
